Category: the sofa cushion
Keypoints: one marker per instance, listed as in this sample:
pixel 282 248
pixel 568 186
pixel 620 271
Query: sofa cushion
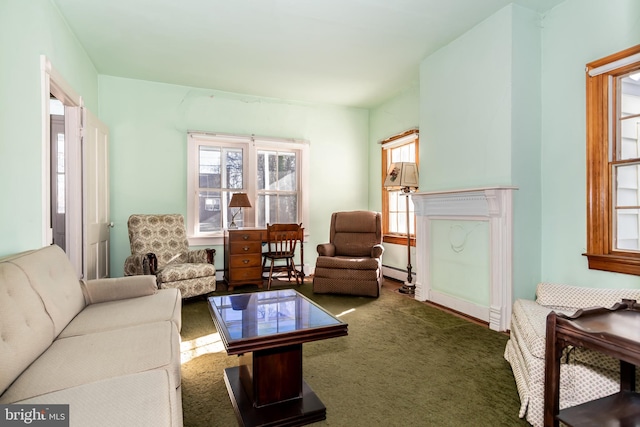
pixel 175 272
pixel 354 244
pixel 52 276
pixel 348 263
pixel 555 295
pixel 165 304
pixel 192 287
pixel 82 359
pixel 26 330
pixel 137 400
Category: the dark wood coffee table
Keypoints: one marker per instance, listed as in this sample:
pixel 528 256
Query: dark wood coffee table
pixel 266 330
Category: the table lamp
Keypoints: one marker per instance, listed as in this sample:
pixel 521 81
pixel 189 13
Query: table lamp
pixel 238 200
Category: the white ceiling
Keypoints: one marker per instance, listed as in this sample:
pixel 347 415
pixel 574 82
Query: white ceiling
pixel 344 52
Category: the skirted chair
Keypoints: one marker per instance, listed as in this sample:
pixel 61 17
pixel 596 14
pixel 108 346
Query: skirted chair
pixel 351 263
pixel 159 247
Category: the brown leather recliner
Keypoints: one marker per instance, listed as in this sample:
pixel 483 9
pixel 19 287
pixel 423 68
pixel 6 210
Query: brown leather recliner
pixel 351 263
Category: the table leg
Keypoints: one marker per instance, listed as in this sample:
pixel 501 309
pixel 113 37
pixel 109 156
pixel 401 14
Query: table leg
pixel 627 376
pixel 553 352
pixel 272 375
pixel 267 389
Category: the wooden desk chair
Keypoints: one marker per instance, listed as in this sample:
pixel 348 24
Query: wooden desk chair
pixel 282 240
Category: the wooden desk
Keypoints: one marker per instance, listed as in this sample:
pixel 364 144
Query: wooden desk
pixel 243 256
pixel 615 332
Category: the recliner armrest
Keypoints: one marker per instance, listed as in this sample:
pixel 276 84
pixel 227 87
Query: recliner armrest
pixel 326 249
pixel 377 251
pixel 204 256
pixel 118 288
pixel 140 264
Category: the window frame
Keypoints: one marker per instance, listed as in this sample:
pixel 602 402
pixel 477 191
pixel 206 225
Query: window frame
pixel 404 138
pixel 250 144
pixel 601 136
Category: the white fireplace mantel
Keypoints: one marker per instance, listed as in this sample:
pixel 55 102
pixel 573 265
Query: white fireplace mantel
pixel 492 204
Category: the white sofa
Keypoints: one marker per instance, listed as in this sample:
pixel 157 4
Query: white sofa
pixel 584 374
pixel 108 348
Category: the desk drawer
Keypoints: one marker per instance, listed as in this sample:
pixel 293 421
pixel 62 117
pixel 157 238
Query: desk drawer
pixel 240 248
pixel 242 274
pixel 245 236
pixel 243 261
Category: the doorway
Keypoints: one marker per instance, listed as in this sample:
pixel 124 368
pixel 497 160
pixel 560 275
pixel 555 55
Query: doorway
pixel 75 178
pixel 58 181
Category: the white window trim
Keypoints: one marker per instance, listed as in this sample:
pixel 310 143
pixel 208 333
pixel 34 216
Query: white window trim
pixel 250 144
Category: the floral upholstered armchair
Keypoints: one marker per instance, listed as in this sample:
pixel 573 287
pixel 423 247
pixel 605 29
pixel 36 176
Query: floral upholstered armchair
pixel 159 247
pixel 351 263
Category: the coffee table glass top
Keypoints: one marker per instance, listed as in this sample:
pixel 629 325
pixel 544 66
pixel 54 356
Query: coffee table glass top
pixel 263 314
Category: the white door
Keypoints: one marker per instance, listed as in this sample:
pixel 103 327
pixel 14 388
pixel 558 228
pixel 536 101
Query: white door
pixel 95 149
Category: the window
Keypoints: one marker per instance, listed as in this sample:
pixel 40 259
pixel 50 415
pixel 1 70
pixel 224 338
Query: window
pixel 269 170
pixel 613 162
pixel 399 148
pixel 277 186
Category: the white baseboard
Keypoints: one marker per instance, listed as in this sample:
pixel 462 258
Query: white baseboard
pixel 460 305
pixel 397 274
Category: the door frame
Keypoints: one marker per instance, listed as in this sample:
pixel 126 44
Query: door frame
pixel 52 83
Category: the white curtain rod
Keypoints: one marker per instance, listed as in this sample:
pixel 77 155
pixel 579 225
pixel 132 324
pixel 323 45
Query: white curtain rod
pixel 399 141
pixel 248 138
pixel 613 65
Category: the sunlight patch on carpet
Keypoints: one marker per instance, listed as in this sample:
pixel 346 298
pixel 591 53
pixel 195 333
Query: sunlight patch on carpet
pixel 351 310
pixel 202 345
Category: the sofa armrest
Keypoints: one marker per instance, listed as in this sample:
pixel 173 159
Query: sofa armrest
pixel 119 288
pixel 326 249
pixel 377 251
pixel 205 256
pixel 138 264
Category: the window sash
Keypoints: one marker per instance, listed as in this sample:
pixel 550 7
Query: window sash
pixel 277 189
pixel 610 226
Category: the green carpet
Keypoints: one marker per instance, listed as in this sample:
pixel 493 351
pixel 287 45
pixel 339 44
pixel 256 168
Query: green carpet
pixel 403 363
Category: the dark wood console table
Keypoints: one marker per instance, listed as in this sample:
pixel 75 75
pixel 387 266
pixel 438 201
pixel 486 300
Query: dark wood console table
pixel 615 332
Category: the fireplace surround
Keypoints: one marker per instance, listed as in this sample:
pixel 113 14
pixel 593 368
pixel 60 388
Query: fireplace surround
pixel 491 204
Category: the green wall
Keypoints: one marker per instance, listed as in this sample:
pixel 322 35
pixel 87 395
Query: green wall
pixel 27 30
pixel 526 152
pixel 148 123
pixel 575 33
pixel 465 109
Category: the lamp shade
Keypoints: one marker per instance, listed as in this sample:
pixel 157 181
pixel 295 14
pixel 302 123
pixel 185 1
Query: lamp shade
pixel 239 200
pixel 402 175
